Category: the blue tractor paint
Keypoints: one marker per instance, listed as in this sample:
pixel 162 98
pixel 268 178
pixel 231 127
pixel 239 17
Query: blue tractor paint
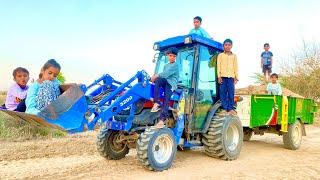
pixel 178 129
pixel 73 120
pixel 180 41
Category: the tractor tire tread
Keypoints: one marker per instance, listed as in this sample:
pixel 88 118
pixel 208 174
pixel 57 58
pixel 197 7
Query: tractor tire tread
pixel 212 140
pixel 103 146
pixel 142 147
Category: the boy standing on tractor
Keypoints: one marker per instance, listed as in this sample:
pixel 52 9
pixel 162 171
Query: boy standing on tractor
pixel 167 80
pixel 197 29
pixel 266 61
pixel 227 69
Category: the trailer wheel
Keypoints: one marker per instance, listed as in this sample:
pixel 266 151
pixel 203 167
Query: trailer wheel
pixel 156 149
pixel 224 138
pixel 292 139
pixel 247 134
pixel 108 146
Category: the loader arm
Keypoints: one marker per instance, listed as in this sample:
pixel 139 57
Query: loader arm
pixel 113 104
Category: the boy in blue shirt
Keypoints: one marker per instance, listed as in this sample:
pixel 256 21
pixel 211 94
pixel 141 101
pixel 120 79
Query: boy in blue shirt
pixel 274 87
pixel 266 61
pixel 167 80
pixel 197 29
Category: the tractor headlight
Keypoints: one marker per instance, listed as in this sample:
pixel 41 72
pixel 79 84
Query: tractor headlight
pixel 188 40
pixel 156 47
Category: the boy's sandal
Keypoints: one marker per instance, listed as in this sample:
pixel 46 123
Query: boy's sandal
pixel 160 125
pixel 155 108
pixel 223 113
pixel 233 112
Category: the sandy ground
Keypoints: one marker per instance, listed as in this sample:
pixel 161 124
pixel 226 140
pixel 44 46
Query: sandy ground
pixel 75 157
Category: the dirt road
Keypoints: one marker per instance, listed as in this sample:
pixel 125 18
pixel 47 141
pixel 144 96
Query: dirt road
pixel 75 157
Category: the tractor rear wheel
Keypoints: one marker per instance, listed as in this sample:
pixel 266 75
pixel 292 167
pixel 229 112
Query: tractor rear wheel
pixel 224 138
pixel 109 146
pixel 292 139
pixel 156 148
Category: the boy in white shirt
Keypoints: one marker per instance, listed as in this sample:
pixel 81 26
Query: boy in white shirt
pixel 274 87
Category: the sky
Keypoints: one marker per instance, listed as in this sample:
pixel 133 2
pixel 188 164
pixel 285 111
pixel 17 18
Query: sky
pixel 94 37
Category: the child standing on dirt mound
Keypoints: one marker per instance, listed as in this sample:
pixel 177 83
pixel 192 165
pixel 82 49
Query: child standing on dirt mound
pixel 45 89
pixel 167 80
pixel 18 91
pixel 227 69
pixel 266 61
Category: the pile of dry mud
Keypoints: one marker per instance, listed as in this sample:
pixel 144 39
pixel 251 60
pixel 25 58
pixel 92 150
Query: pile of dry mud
pixel 261 89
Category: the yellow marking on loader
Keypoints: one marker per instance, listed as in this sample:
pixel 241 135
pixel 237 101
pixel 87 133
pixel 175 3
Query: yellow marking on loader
pixel 284 118
pixel 182 106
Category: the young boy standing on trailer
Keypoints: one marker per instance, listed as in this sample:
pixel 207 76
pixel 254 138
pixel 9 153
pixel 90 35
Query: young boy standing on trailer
pixel 266 61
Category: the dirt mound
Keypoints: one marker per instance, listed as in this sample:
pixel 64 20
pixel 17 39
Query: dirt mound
pixel 261 89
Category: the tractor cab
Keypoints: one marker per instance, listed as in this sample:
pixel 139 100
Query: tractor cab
pixel 197 65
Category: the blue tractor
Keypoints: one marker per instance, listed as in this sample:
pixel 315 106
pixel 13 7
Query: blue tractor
pixel 195 105
pixel 123 110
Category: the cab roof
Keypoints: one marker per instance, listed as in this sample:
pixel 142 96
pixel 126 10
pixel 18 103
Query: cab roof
pixel 179 41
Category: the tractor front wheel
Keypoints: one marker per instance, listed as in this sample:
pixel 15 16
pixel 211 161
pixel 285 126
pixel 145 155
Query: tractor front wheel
pixel 156 148
pixel 292 139
pixel 109 146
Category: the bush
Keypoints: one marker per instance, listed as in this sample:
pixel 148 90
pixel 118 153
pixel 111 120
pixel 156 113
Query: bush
pixel 3 95
pixel 13 129
pixel 301 74
pixel 61 78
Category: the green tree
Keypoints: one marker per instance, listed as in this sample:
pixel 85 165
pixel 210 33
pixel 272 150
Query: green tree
pixel 61 78
pixel 301 73
pixel 259 78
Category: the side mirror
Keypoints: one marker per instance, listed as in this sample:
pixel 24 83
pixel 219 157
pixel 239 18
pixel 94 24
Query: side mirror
pixel 155 58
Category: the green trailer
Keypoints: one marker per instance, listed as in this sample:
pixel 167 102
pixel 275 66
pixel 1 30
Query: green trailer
pixel 282 115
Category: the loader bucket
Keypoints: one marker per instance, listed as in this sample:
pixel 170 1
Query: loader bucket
pixel 65 113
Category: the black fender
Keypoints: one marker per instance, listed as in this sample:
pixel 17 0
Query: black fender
pixel 211 113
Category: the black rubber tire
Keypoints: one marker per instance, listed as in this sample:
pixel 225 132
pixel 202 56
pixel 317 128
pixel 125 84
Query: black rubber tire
pixel 215 140
pixel 106 146
pixel 247 134
pixel 288 138
pixel 145 149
